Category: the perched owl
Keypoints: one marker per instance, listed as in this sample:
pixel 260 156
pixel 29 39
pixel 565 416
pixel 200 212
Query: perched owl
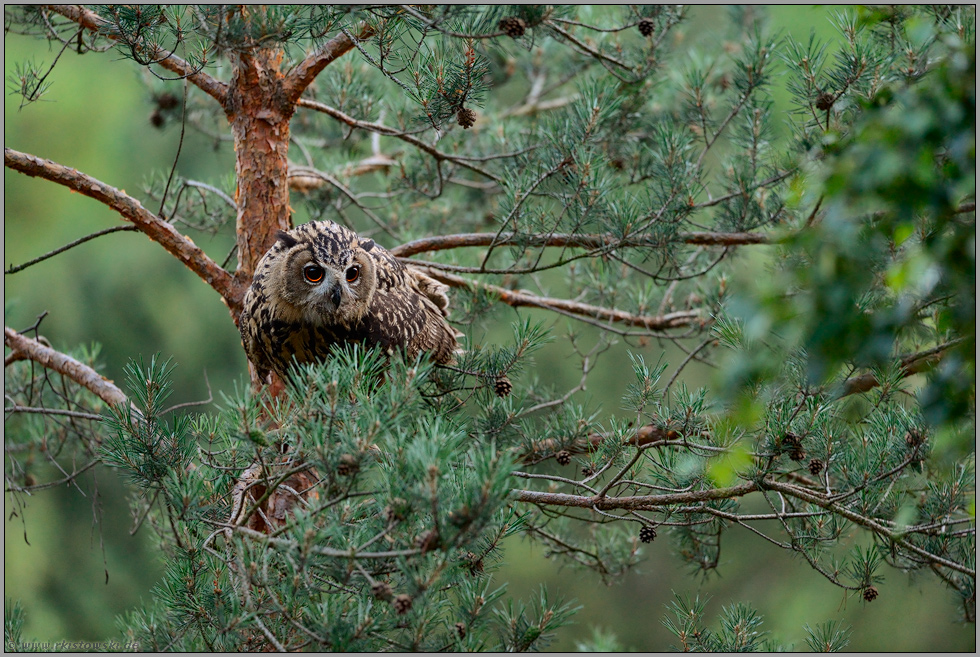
pixel 321 285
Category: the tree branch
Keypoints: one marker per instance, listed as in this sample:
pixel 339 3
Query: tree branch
pixel 50 254
pixel 635 501
pixel 306 71
pixel 444 242
pixel 868 523
pixel 516 298
pixel 95 23
pixel 392 132
pixel 132 210
pixel 912 364
pixel 640 502
pixel 65 365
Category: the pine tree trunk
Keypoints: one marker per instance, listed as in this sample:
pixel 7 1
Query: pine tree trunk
pixel 259 113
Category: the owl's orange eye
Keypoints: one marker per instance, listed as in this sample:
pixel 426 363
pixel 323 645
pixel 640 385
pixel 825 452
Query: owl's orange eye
pixel 353 273
pixel 313 273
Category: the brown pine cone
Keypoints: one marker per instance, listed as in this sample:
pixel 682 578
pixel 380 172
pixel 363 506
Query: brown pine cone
pixel 466 117
pixel 427 541
pixel 402 603
pixel 381 591
pixel 825 101
pixel 646 27
pixel 502 386
pixel 348 465
pixel 513 26
pixel 166 100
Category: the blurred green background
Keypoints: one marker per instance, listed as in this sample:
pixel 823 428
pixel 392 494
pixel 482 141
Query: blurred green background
pixel 70 559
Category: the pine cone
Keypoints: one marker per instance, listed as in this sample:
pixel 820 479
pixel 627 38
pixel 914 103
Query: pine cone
pixel 474 564
pixel 402 603
pixel 166 100
pixel 815 466
pixel 646 27
pixel 502 386
pixel 396 510
pixel 870 594
pixel 427 541
pixel 647 534
pixel 461 630
pixel 381 591
pixel 796 453
pixel 563 457
pixel 825 101
pixel 348 465
pixel 156 119
pixel 513 26
pixel 914 438
pixel 466 117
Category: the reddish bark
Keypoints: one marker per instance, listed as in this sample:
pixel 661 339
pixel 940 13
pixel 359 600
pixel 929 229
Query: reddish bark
pixel 259 112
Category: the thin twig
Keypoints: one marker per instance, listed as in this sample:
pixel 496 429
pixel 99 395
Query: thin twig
pixel 52 411
pixel 132 210
pixel 50 254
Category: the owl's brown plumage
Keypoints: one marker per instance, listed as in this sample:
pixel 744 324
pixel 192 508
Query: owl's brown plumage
pixel 322 285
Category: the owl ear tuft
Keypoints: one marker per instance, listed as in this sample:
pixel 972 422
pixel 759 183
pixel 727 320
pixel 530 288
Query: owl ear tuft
pixel 367 245
pixel 287 240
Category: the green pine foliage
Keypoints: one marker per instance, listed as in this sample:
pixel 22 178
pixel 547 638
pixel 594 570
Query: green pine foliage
pixel 573 162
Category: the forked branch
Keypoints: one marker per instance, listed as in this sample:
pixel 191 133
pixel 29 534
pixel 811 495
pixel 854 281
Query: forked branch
pixel 95 23
pixel 132 210
pixel 306 71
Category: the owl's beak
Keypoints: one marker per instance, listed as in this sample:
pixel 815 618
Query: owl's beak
pixel 335 295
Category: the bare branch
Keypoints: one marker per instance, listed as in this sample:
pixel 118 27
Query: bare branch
pixel 300 77
pixel 912 364
pixel 444 242
pixel 51 411
pixel 65 365
pixel 132 210
pixel 634 501
pixel 583 47
pixel 516 298
pixel 868 523
pixel 50 254
pixel 93 22
pixel 386 130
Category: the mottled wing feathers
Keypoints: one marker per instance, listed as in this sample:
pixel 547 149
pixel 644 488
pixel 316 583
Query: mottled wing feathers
pixel 403 316
pixel 407 309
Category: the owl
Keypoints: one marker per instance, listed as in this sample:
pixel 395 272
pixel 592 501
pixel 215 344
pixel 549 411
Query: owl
pixel 321 285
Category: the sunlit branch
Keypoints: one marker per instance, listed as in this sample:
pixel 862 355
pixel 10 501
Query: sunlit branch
pixel 445 242
pixel 516 298
pixel 132 210
pixel 65 365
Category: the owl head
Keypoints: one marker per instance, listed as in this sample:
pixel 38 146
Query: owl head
pixel 320 273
